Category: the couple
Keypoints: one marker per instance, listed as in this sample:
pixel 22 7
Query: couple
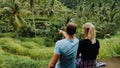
pixel 67 50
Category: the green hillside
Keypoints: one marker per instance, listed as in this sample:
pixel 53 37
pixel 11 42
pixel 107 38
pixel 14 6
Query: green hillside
pixel 29 28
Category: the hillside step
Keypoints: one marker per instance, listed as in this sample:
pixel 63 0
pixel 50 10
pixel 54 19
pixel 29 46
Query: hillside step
pixel 41 21
pixel 40 26
pixel 38 19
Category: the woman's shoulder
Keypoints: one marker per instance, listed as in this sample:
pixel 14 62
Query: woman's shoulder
pixel 87 41
pixel 84 41
pixel 97 40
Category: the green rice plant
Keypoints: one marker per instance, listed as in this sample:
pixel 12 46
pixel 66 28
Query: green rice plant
pixel 17 54
pixel 102 51
pixel 48 42
pixel 15 61
pixel 10 46
pixel 117 47
pixel 109 48
pixel 10 34
pixel 36 40
pixel 40 41
pixel 1 51
pixel 30 45
pixel 44 53
pixel 15 48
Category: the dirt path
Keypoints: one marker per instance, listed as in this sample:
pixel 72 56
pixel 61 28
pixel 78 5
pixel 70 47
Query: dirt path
pixel 112 63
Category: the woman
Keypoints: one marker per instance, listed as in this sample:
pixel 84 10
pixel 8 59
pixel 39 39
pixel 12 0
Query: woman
pixel 88 47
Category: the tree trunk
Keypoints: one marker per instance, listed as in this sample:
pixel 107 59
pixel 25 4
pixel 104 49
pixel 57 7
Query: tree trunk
pixel 32 8
pixel 38 2
pixel 8 25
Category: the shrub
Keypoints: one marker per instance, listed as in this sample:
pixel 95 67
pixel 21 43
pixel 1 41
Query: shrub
pixel 15 61
pixel 48 42
pixel 10 46
pixel 38 41
pixel 27 31
pixel 109 47
pixel 9 34
pixel 30 45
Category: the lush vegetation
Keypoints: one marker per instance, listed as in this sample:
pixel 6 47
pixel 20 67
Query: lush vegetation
pixel 44 18
pixel 32 53
pixel 29 28
pixel 24 53
pixel 110 47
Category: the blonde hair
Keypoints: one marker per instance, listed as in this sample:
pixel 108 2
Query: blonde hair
pixel 91 34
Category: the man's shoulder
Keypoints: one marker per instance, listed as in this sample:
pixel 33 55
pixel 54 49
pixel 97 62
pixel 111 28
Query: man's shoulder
pixel 76 39
pixel 61 41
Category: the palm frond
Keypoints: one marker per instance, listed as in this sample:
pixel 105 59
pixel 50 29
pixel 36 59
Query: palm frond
pixel 17 23
pixel 6 11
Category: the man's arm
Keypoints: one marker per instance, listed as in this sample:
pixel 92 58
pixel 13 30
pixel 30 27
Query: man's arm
pixel 63 33
pixel 53 60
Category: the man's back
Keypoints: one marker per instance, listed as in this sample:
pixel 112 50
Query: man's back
pixel 67 50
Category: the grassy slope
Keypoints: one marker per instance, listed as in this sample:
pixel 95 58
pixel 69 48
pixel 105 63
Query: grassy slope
pixel 110 47
pixel 27 52
pixel 32 53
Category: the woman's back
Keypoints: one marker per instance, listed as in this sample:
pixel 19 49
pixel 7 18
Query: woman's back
pixel 88 50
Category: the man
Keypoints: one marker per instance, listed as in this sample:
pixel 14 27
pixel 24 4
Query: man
pixel 66 49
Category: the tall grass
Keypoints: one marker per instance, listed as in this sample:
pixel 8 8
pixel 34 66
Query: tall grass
pixel 32 52
pixel 109 47
pixel 23 54
pixel 15 61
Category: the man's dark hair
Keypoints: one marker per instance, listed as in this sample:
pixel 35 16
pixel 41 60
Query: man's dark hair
pixel 71 28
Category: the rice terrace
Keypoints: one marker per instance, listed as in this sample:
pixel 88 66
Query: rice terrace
pixel 29 29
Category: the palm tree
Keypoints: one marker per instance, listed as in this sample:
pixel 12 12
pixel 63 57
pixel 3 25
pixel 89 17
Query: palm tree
pixel 10 12
pixel 38 2
pixel 32 9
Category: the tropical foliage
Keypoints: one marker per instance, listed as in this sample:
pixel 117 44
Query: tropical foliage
pixel 104 15
pixel 10 15
pixel 24 53
pixel 32 53
pixel 29 28
pixel 44 18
